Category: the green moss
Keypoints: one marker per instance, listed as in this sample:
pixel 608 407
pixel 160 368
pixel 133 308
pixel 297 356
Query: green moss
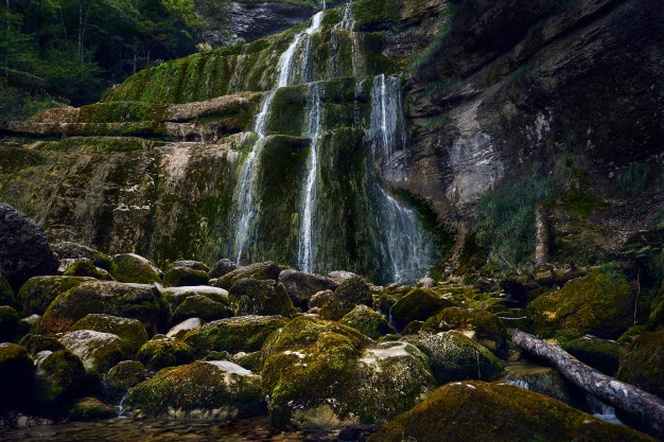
pixel 131 268
pixel 601 354
pixel 353 291
pixel 477 411
pixel 371 13
pixel 85 267
pixel 131 331
pixel 256 297
pixel 90 408
pixel 598 304
pixel 37 293
pixel 162 352
pixel 418 304
pixel 63 377
pixel 367 321
pixel 123 376
pixel 643 363
pixel 200 306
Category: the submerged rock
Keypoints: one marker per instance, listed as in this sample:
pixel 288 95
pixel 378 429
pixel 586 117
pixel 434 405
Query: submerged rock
pixel 477 411
pixel 24 249
pixel 201 390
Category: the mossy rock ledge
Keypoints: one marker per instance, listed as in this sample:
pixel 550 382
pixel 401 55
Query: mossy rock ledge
pixel 321 374
pixel 201 390
pixel 478 411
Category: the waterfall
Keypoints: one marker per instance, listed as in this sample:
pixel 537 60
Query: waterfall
pixel 347 22
pixel 286 61
pixel 405 247
pixel 244 201
pixel 306 246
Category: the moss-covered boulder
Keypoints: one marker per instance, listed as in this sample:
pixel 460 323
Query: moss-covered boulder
pixel 131 331
pixel 121 377
pixel 478 411
pixel 351 292
pixel 600 303
pixel 8 323
pixel 368 322
pixel 543 380
pixel 72 250
pixel 129 267
pixel 37 343
pixel 179 276
pixel 176 295
pixel 6 291
pixel 16 375
pixel 643 363
pixel 481 325
pixel 199 306
pixel 260 270
pixel 601 354
pixel 98 351
pixel 163 351
pixel 60 376
pixel 39 292
pixel 322 374
pixel 91 409
pixel 201 390
pixel 244 333
pixel 184 327
pixel 301 286
pixel 85 267
pixel 418 304
pixel 260 297
pixel 137 301
pixel 455 357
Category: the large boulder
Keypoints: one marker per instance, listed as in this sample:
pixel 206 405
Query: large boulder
pixel 368 322
pixel 131 331
pixel 600 303
pixel 16 375
pixel 301 286
pixel 199 306
pixel 60 376
pixel 260 270
pixel 163 352
pixel 37 293
pixel 176 295
pixel 321 374
pixel 24 249
pixel 643 363
pixel 351 292
pixel 478 411
pixel 97 350
pixel 130 267
pixel 260 297
pixel 136 301
pixel 72 250
pixel 455 357
pixel 244 333
pixel 121 377
pixel 418 305
pixel 201 390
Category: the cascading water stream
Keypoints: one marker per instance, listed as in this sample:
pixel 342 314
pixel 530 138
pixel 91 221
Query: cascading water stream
pixel 244 201
pixel 405 247
pixel 306 255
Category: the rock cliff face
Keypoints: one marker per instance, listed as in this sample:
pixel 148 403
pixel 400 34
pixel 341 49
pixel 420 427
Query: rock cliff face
pixel 441 104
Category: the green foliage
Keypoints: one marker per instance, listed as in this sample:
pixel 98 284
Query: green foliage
pixel 506 220
pixel 370 13
pixel 635 178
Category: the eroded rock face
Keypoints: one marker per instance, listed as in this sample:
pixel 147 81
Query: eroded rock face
pixel 253 20
pixel 24 249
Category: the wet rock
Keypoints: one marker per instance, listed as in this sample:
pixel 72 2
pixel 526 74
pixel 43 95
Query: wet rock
pixel 37 293
pixel 129 267
pixel 368 322
pixel 98 351
pixel 178 276
pixel 320 374
pixel 135 301
pixel 256 297
pixel 301 286
pixel 474 411
pixel 455 357
pixel 72 250
pixel 201 390
pixel 351 292
pixel 598 303
pixel 163 352
pixel 199 306
pixel 16 375
pixel 131 331
pixel 181 329
pixel 418 304
pixel 222 267
pixel 261 270
pixel 252 21
pixel 245 333
pixel 24 249
pixel 85 267
pixel 643 363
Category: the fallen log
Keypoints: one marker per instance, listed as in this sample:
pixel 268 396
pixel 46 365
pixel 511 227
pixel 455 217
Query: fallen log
pixel 645 409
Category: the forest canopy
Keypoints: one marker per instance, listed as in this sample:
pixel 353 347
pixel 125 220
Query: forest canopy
pixel 69 51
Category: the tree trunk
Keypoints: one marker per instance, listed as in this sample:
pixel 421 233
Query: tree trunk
pixel 642 407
